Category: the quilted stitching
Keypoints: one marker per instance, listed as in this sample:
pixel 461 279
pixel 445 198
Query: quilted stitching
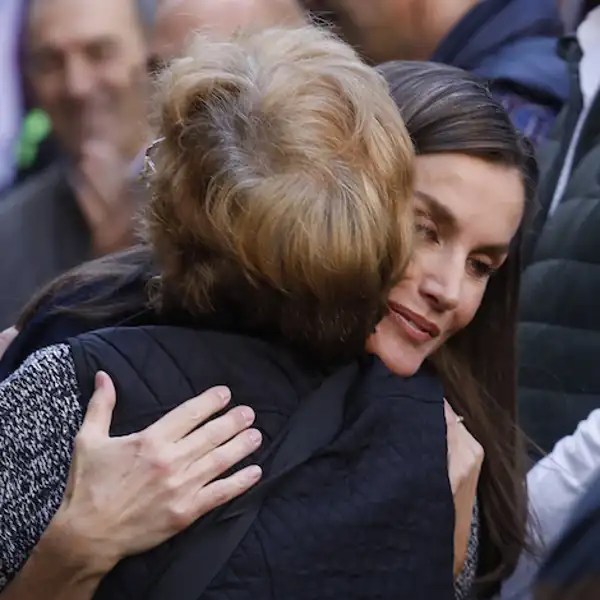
pixel 349 523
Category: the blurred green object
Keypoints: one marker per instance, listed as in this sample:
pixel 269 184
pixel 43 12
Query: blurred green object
pixel 36 128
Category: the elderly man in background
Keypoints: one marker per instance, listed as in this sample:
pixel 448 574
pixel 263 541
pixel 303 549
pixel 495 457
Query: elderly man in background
pixel 177 18
pixel 87 62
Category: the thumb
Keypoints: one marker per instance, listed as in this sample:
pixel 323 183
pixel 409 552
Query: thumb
pixel 101 405
pixel 449 414
pixel 451 425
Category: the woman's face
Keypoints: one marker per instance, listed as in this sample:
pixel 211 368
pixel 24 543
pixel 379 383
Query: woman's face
pixel 467 212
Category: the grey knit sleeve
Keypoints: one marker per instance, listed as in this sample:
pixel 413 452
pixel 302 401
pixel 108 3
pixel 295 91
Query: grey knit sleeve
pixel 40 416
pixel 464 584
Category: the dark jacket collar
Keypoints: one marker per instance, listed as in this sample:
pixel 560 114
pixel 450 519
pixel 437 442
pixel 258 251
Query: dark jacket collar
pixel 510 40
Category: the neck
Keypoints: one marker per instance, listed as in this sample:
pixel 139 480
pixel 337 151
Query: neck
pixel 437 19
pixel 132 147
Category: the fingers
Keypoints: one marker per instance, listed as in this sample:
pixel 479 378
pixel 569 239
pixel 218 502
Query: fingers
pixel 6 338
pixel 459 437
pixel 221 459
pixel 460 440
pixel 206 493
pixel 189 415
pixel 223 490
pixel 452 424
pixel 216 432
pixel 449 413
pixel 99 413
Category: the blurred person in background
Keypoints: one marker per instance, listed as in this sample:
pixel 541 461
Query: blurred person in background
pixel 96 193
pixel 172 25
pixel 11 103
pixel 37 147
pixel 511 43
pixel 86 63
pixel 559 334
pixel 176 19
pixel 571 12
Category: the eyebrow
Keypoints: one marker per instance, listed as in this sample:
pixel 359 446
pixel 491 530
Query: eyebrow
pixel 437 209
pixel 442 214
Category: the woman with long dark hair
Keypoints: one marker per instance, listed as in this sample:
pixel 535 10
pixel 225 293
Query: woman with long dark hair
pixel 473 176
pixel 447 121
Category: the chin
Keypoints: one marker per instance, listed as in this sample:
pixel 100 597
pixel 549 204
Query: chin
pixel 403 366
pixel 402 361
pixel 397 354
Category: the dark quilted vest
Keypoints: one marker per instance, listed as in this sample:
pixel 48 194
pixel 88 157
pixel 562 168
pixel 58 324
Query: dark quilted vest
pixel 367 516
pixel 559 330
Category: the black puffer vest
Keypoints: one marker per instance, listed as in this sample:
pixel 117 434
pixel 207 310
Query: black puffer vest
pixel 355 502
pixel 559 330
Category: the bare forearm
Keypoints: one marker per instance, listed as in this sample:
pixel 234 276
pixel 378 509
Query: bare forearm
pixel 56 570
pixel 38 580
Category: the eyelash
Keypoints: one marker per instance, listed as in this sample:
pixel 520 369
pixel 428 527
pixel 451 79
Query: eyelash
pixel 480 269
pixel 427 232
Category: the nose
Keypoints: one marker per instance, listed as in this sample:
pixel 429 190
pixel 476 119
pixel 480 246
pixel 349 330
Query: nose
pixel 442 280
pixel 79 79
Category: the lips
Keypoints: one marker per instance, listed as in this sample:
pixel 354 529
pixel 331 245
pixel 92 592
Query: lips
pixel 415 320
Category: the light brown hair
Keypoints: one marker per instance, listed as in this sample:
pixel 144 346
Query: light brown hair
pixel 281 192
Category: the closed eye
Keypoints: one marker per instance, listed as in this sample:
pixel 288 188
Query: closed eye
pixel 426 227
pixel 427 232
pixel 482 270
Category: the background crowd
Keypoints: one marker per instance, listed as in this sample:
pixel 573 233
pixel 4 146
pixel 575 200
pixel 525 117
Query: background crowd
pixel 74 126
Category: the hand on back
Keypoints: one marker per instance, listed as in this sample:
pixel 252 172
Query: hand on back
pixel 128 494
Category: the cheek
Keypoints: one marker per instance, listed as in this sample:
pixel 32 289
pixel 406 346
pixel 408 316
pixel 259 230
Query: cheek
pixel 412 274
pixel 128 64
pixel 126 85
pixel 47 90
pixel 468 307
pixel 114 76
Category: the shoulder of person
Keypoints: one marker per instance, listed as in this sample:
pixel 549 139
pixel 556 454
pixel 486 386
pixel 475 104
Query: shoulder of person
pixel 40 192
pixel 45 380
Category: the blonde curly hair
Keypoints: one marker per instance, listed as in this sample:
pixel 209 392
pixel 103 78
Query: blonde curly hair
pixel 281 189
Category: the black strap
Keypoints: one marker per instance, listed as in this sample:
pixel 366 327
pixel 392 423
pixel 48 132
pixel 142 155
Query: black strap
pixel 211 543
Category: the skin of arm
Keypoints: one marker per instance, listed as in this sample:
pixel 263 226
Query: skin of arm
pixel 58 569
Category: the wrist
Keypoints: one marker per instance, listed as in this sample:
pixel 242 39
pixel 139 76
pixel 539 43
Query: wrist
pixel 78 555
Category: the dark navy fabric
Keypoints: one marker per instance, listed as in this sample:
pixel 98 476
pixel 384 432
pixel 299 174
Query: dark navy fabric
pixel 575 559
pixel 52 325
pixel 513 45
pixel 368 516
pixel 513 41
